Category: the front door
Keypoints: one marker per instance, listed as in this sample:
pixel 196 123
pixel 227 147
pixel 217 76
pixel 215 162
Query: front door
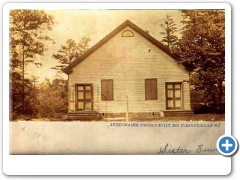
pixel 84 97
pixel 173 96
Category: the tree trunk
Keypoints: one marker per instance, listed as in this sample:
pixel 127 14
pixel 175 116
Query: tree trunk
pixel 23 68
pixel 23 96
pixel 220 92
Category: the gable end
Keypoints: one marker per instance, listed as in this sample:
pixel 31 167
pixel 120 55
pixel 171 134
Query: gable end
pixel 126 33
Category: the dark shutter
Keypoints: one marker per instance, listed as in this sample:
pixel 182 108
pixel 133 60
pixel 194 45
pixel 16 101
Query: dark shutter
pixel 151 89
pixel 110 90
pixel 104 90
pixel 154 88
pixel 107 90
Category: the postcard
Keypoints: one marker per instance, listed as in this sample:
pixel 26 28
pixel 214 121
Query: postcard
pixel 93 81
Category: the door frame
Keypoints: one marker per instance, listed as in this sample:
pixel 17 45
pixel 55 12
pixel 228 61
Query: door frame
pixel 84 95
pixel 174 98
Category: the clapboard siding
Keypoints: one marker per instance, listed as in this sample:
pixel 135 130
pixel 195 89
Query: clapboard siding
pixel 129 61
pixel 186 94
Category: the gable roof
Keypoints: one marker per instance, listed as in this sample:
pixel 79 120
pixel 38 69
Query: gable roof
pixel 69 69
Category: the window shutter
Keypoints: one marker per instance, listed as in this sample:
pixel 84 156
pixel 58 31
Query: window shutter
pixel 148 90
pixel 154 88
pixel 104 90
pixel 107 90
pixel 151 89
pixel 110 89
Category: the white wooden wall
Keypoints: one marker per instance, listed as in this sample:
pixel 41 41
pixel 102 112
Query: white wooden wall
pixel 129 61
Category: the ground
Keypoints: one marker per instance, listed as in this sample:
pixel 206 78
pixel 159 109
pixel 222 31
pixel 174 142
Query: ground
pixel 195 117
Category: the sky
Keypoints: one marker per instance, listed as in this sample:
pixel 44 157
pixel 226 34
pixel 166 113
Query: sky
pixel 95 24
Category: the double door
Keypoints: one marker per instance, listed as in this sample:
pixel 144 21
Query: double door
pixel 84 97
pixel 173 96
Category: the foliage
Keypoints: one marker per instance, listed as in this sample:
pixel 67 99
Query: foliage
pixel 197 96
pixel 70 52
pixel 169 30
pixel 26 40
pixel 26 28
pixel 16 94
pixel 202 49
pixel 52 98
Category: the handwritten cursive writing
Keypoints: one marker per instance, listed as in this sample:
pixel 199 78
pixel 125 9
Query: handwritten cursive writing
pixel 202 149
pixel 168 149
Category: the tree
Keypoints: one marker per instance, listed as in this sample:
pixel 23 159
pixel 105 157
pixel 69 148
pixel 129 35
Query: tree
pixel 203 47
pixel 70 52
pixel 16 94
pixel 52 98
pixel 169 29
pixel 26 40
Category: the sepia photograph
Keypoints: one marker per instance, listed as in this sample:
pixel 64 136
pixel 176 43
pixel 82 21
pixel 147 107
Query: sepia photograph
pixel 116 82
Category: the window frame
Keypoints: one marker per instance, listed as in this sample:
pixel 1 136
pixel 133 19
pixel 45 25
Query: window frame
pixel 124 33
pixel 174 98
pixel 84 100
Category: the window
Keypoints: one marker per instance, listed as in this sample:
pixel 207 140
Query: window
pixel 173 96
pixel 150 89
pixel 127 33
pixel 107 90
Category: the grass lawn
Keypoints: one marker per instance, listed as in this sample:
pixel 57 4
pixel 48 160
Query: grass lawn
pixel 195 117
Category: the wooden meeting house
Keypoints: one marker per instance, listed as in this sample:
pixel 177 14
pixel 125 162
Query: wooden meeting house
pixel 127 74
